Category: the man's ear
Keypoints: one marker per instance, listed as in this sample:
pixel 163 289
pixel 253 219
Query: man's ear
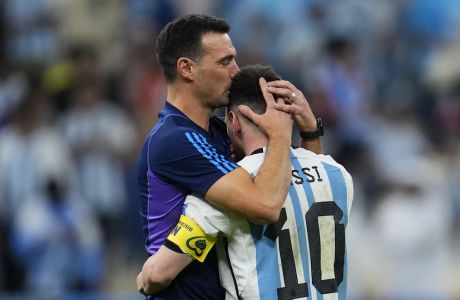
pixel 236 123
pixel 185 68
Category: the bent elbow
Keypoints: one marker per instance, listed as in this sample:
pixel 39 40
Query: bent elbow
pixel 272 218
pixel 155 285
pixel 268 215
pixel 156 281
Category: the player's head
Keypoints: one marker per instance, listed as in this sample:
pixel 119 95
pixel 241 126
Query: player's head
pixel 245 90
pixel 197 50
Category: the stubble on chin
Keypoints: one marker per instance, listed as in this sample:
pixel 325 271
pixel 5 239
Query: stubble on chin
pixel 221 102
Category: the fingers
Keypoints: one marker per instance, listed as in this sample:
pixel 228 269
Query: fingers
pixel 248 113
pixel 281 100
pixel 251 115
pixel 140 289
pixel 269 99
pixel 287 108
pixel 285 89
pixel 282 84
pixel 281 92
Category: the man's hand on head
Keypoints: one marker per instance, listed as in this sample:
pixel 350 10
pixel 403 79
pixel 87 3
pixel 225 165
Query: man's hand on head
pixel 274 122
pixel 297 104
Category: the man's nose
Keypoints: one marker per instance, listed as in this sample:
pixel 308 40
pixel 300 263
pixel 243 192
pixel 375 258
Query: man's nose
pixel 235 70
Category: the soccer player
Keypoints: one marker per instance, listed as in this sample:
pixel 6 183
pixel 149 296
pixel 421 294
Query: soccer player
pixel 187 150
pixel 301 255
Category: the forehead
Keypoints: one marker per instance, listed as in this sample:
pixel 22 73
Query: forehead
pixel 217 44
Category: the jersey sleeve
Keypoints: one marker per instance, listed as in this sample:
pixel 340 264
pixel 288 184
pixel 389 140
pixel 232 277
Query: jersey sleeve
pixel 197 230
pixel 189 237
pixel 188 159
pixel 213 220
pixel 252 163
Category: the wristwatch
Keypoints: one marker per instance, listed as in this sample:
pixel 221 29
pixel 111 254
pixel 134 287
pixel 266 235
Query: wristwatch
pixel 311 135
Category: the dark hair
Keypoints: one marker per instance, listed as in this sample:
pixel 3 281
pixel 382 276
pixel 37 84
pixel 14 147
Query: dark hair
pixel 182 38
pixel 245 87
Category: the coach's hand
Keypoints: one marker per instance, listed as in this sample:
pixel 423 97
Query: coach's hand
pixel 276 123
pixel 296 104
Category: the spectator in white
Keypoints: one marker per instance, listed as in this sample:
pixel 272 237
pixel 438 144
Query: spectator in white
pixel 57 240
pixel 101 136
pixel 29 150
pixel 32 31
pixel 412 233
pixel 13 85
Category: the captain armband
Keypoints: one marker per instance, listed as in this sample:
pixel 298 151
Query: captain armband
pixel 191 238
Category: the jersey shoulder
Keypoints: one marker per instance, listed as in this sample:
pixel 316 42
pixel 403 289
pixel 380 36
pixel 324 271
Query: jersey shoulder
pixel 170 136
pixel 304 154
pixel 307 154
pixel 252 163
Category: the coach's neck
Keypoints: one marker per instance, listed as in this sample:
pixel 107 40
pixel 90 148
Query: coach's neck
pixel 180 95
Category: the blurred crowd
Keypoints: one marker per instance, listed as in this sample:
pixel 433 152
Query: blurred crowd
pixel 80 89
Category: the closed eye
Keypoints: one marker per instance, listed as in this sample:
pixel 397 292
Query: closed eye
pixel 226 60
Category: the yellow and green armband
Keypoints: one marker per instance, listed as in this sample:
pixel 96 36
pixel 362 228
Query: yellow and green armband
pixel 191 238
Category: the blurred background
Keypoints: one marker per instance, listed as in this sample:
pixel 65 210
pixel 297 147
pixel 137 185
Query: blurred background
pixel 80 89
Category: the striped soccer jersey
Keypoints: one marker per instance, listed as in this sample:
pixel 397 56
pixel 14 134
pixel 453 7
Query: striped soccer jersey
pixel 303 255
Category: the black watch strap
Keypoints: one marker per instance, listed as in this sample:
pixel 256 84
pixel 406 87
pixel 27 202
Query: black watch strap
pixel 311 135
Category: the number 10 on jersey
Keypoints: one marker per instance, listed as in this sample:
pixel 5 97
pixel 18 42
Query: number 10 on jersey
pixel 326 241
